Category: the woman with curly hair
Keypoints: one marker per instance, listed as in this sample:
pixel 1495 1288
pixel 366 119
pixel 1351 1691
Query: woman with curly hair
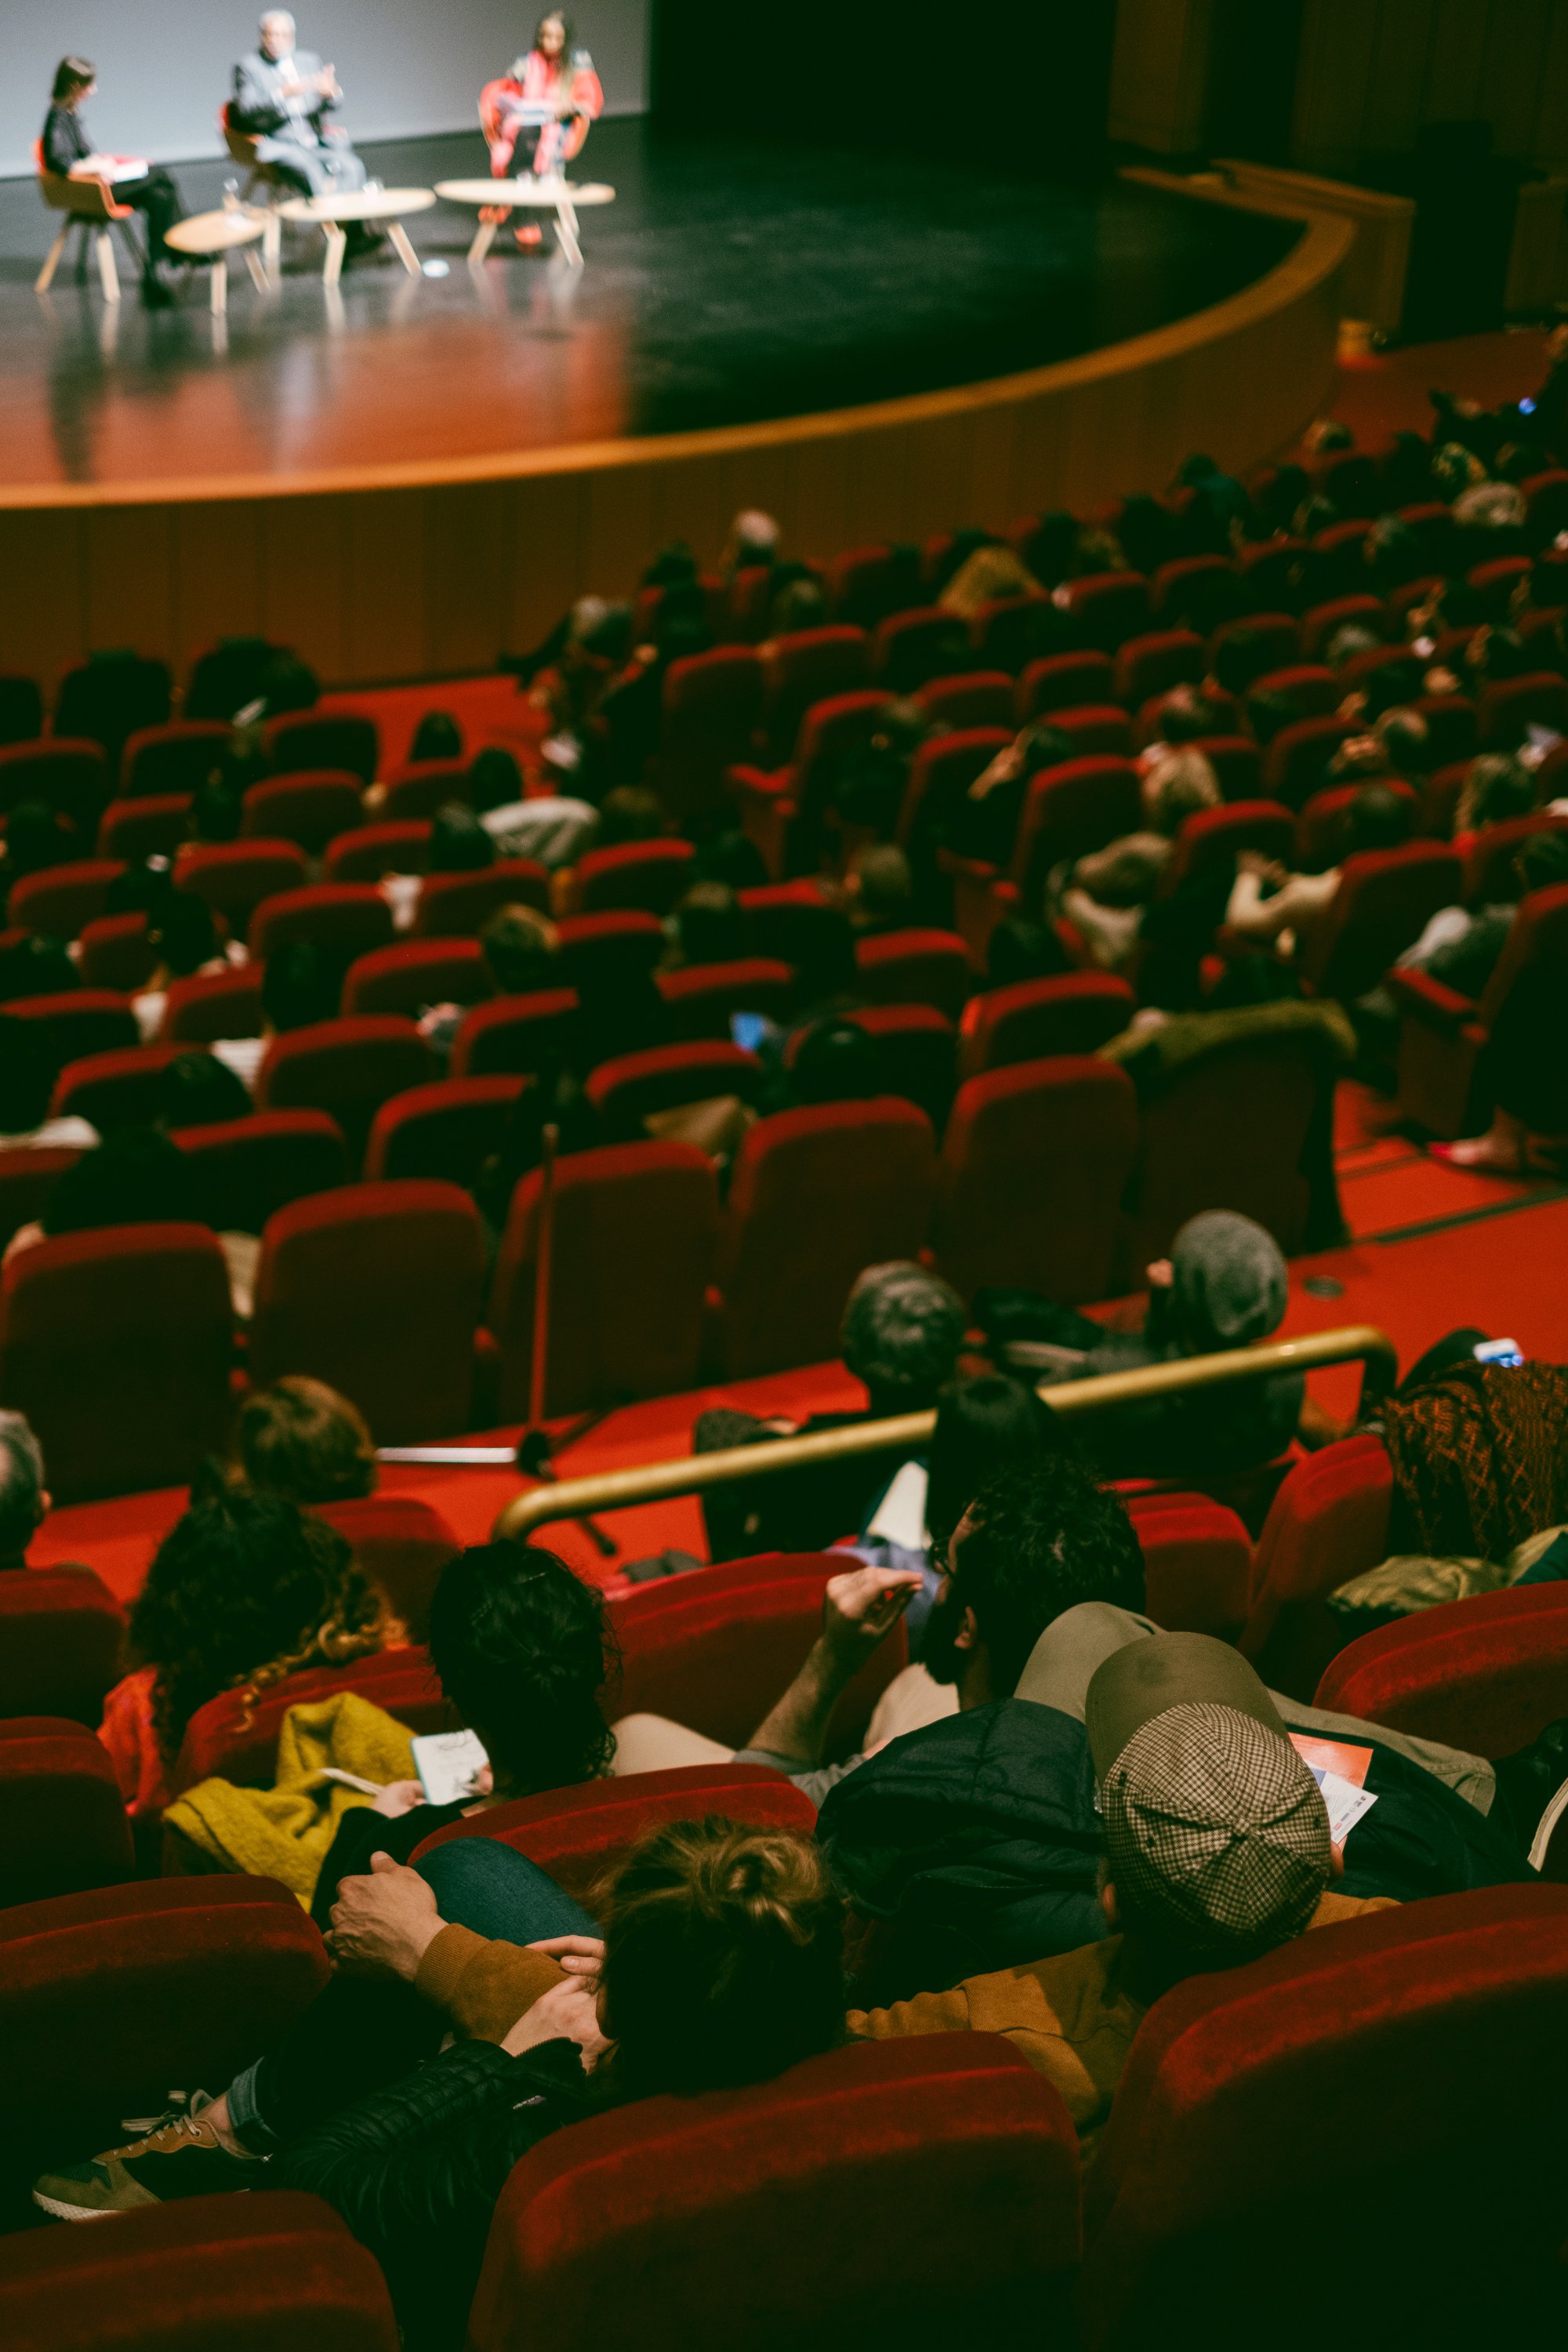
pixel 244 1590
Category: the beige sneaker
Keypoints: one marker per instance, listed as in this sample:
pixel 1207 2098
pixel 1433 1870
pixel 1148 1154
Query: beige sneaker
pixel 183 2157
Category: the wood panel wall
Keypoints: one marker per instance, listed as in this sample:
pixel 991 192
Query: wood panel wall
pixel 378 576
pixel 1373 72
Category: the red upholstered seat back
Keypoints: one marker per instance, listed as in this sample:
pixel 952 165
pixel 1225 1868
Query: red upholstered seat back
pixel 1328 1523
pixel 514 1033
pixel 648 876
pixel 347 1068
pixel 415 973
pixel 269 2271
pixel 715 1647
pixel 459 905
pixel 1197 1563
pixel 1236 763
pixel 941 774
pixel 1379 2053
pixel 351 917
pixel 1154 663
pixel 796 923
pixel 810 666
pixel 891 2192
pixel 1211 836
pixel 1064 682
pixel 416 791
pixel 369 851
pixel 240 1740
pixel 1486 1674
pixel 174 757
pixel 62 1632
pixel 627 1089
pixel 62 898
pixel 28 1177
pixel 1077 806
pixel 1200 590
pixel 122 1089
pixel 916 967
pixel 818 1195
pixel 712 711
pixel 1034 1165
pixel 1294 763
pixel 402 1544
pixel 375 1289
pixel 321 739
pixel 1385 898
pixel 1488 867
pixel 1074 1013
pixel 106 2000
pixel 213 1004
pixel 70 774
pixel 916 1054
pixel 246 1169
pixel 154 825
pixel 1515 704
pixel 1537 938
pixel 701 998
pixel 599 950
pixel 910 648
pixel 978 698
pixel 1094 728
pixel 116 1345
pixel 445 1130
pixel 578 1834
pixel 62 1818
pixel 307 809
pixel 79 1021
pixel 636 1230
pixel 1108 607
pixel 1322 827
pixel 235 877
pixel 1229 1132
pixel 115 951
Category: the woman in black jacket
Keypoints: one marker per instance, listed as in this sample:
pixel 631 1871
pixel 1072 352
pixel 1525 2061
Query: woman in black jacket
pixel 66 144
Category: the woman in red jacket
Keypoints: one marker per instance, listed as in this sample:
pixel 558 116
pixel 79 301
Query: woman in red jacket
pixel 541 111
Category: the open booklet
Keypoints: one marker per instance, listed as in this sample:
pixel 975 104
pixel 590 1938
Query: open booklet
pixel 1340 1772
pixel 113 168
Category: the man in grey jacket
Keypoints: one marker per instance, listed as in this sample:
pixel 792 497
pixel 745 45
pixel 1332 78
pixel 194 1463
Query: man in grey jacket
pixel 281 97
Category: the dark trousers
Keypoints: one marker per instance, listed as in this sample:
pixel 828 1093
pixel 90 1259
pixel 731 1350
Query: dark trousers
pixel 364 2032
pixel 157 200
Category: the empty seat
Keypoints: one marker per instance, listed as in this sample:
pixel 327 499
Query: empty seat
pixel 309 809
pixel 375 1289
pixel 323 739
pixel 423 786
pixel 807 667
pixel 1152 665
pixel 107 1998
pixel 795 924
pixel 79 1021
pixel 957 2161
pixel 62 898
pixel 369 851
pixel 596 952
pixel 910 648
pixel 60 1643
pixel 703 999
pixel 916 967
pixel 62 1818
pixel 402 1544
pixel 235 1736
pixel 649 874
pixel 1094 727
pixel 917 1049
pixel 459 905
pixel 1447 1052
pixel 416 973
pixel 1073 1013
pixel 712 709
pixel 940 776
pixel 974 699
pixel 115 952
pixel 1197 591
pixel 154 826
pixel 176 757
pixel 1486 1674
pixel 517 1034
pixel 210 1005
pixel 1386 2049
pixel 1107 608
pixel 1064 682
pixel 235 877
pixel 1197 1563
pixel 1013 631
pixel 1384 903
pixel 1328 1523
pixel 347 1068
pixel 115 1344
pixel 123 1088
pixel 1253 644
pixel 280 2270
pixel 447 1129
pixel 634 1232
pixel 576 1834
pixel 69 775
pixel 348 918
pixel 867 583
pixel 633 1088
pixel 1034 1165
pixel 815 1196
pixel 245 1168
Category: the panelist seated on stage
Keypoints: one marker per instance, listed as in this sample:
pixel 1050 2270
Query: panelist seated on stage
pixel 282 95
pixel 536 117
pixel 68 151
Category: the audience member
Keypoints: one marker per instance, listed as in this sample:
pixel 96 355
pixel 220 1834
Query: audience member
pixel 35 965
pixel 1020 950
pixel 198 1090
pixel 29 1064
pixel 459 842
pixel 23 1497
pixel 301 985
pixel 302 1442
pixel 708 925
pixel 217 811
pixel 136 1176
pixel 1300 903
pixel 436 737
pixel 36 838
pixel 551 828
pixel 182 935
pixel 878 890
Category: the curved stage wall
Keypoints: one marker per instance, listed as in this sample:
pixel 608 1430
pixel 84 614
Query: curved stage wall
pixel 429 570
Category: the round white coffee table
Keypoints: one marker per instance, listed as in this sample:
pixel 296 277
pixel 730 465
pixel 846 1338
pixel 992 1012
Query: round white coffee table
pixel 212 238
pixel 333 215
pixel 562 198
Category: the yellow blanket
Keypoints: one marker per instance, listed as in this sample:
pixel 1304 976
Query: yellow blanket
pixel 284 1833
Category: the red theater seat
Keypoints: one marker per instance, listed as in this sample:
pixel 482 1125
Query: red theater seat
pixel 62 898
pixel 61 1633
pixel 177 757
pixel 634 1087
pixel 916 967
pixel 123 1088
pixel 648 876
pixel 459 905
pixel 375 1289
pixel 576 1834
pixel 817 1195
pixel 79 1021
pixel 153 827
pixel 1009 632
pixel 1107 608
pixel 793 923
pixel 1265 641
pixel 1323 827
pixel 515 1034
pixel 402 1544
pixel 447 1129
pixel 115 952
pixel 1064 682
pixel 271 2273
pixel 369 851
pixel 1380 2053
pixel 1328 1523
pixel 348 918
pixel 1444 1036
pixel 28 1177
pixel 1237 762
pixel 976 699
pixel 62 1819
pixel 703 999
pixel 1384 903
pixel 913 647
pixel 1073 1013
pixel 1073 808
pixel 1197 1563
pixel 116 1345
pixel 1197 591
pixel 246 1169
pixel 239 1738
pixel 808 667
pixel 307 809
pixel 1489 876
pixel 714 1648
pixel 1229 1129
pixel 782 813
pixel 70 774
pixel 347 1068
pixel 1297 761
pixel 108 1999
pixel 635 1229
pixel 916 1052
pixel 1034 1165
pixel 1509 710
pixel 901 2192
pixel 601 952
pixel 414 792
pixel 712 712
pixel 1211 836
pixel 211 1006
pixel 940 776
pixel 867 583
pixel 320 739
pixel 1154 664
pixel 1486 1674
pixel 416 973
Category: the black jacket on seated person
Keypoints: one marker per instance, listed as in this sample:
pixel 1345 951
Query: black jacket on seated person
pixel 415 2170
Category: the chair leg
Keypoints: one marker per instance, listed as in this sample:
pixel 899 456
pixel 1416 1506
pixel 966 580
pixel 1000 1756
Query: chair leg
pixel 108 274
pixel 45 277
pixel 484 237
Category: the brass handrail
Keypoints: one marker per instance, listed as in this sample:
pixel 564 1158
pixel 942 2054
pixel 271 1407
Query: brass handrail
pixel 699 1474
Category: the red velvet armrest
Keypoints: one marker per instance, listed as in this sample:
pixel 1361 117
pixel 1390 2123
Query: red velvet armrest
pixel 758 781
pixel 972 869
pixel 1418 992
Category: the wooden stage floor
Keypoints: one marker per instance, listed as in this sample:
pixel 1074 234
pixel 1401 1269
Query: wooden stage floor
pixel 727 286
